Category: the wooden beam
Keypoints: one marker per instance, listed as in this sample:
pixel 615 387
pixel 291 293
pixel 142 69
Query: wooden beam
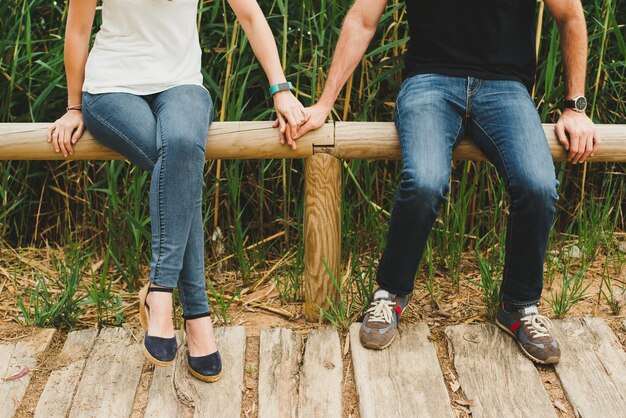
pixel 256 140
pixel 322 232
pixel 379 141
pixel 226 140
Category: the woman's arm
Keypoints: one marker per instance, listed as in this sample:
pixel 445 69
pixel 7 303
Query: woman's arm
pixel 288 108
pixel 68 129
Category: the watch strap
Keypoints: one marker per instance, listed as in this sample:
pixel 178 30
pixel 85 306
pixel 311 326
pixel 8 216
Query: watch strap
pixel 569 103
pixel 280 87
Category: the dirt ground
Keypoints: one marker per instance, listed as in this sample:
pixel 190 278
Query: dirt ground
pixel 259 307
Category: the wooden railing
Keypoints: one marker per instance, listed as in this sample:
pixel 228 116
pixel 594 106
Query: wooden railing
pixel 322 150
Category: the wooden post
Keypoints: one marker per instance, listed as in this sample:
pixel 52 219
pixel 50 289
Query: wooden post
pixel 322 232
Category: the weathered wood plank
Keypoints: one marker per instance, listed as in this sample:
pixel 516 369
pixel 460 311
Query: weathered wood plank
pixel 162 399
pixel 321 376
pixel 23 356
pixel 6 351
pixel 590 362
pixel 221 398
pixel 322 232
pixel 110 378
pixel 56 398
pixel 279 358
pixel 493 373
pixel 403 380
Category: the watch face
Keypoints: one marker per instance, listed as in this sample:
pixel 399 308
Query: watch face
pixel 581 103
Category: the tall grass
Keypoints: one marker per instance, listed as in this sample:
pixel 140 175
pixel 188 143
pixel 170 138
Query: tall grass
pixel 105 204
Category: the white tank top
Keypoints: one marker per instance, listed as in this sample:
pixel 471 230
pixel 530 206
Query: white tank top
pixel 144 47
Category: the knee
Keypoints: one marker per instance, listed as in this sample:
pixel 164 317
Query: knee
pixel 537 194
pixel 423 187
pixel 187 145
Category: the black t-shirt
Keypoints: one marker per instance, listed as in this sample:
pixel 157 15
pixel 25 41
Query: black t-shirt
pixel 489 39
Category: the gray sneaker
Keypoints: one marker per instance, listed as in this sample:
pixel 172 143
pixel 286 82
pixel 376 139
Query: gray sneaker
pixel 380 323
pixel 532 333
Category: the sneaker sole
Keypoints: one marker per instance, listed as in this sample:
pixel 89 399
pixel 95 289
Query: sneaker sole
pixel 207 379
pixel 155 360
pixel 374 346
pixel 549 360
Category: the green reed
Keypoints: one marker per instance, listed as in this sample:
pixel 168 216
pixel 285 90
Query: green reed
pixel 105 204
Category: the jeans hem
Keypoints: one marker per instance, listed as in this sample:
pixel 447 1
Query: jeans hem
pixel 392 290
pixel 160 280
pixel 521 305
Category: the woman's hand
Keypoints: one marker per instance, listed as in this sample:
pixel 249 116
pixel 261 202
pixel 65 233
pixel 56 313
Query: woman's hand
pixel 291 115
pixel 66 131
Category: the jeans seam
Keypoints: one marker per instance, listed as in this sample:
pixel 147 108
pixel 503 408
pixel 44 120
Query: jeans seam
pixel 157 264
pixel 121 134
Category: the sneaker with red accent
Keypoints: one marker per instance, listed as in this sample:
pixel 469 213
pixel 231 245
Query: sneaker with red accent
pixel 532 333
pixel 380 323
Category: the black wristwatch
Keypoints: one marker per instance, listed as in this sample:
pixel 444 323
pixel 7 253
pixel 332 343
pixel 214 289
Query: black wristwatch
pixel 578 103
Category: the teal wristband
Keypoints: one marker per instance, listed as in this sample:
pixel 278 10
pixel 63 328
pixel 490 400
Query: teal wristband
pixel 280 87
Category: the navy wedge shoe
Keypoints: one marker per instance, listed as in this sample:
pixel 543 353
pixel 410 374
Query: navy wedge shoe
pixel 158 350
pixel 205 368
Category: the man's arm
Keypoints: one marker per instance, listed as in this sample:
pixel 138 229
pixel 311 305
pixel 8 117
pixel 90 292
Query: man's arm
pixel 575 131
pixel 357 31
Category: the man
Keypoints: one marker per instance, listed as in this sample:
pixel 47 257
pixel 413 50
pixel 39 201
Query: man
pixel 468 69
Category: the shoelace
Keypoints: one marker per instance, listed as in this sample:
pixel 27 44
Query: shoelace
pixel 539 325
pixel 381 310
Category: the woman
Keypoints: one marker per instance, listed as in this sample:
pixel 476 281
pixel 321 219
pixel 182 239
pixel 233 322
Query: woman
pixel 139 91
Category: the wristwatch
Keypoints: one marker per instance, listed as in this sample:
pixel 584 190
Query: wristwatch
pixel 578 103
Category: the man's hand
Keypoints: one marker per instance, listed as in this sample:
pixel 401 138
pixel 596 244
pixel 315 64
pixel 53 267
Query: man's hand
pixel 317 115
pixel 577 133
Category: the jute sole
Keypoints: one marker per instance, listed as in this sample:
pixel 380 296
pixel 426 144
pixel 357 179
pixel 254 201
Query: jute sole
pixel 143 314
pixel 154 360
pixel 549 360
pixel 207 379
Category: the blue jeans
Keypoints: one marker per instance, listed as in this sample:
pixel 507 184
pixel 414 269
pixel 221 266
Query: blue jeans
pixel 433 112
pixel 164 133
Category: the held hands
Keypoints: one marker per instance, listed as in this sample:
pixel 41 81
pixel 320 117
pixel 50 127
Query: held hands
pixel 291 115
pixel 66 131
pixel 315 117
pixel 577 133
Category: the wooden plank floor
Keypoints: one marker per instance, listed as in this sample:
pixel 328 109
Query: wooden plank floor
pixel 592 368
pixel 496 375
pixel 302 375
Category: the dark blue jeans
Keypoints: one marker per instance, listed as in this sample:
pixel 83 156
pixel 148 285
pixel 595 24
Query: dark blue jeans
pixel 433 112
pixel 164 133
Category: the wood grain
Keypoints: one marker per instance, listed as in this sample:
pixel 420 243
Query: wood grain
pixel 379 141
pixel 56 398
pixel 221 398
pixel 403 380
pixel 24 355
pixel 109 382
pixel 322 232
pixel 592 368
pixel 494 374
pixel 226 140
pixel 279 359
pixel 321 376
